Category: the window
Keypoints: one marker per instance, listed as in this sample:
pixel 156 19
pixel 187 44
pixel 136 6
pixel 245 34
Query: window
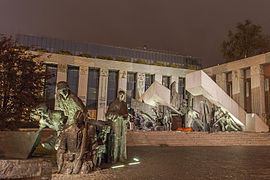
pixel 73 78
pixel 131 86
pixel 166 81
pixel 50 85
pixel 229 83
pixel 247 90
pixel 149 79
pixel 112 86
pixel 92 89
pixel 181 86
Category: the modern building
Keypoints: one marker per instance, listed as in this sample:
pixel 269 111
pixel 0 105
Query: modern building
pixel 96 81
pixel 247 82
pixel 144 54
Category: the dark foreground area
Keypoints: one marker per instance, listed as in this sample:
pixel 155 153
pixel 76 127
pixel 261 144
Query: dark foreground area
pixel 188 163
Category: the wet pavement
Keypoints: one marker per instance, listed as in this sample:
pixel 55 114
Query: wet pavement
pixel 189 163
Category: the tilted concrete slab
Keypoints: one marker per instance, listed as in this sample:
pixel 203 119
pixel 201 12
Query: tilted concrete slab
pixel 156 94
pixel 199 83
pixel 15 144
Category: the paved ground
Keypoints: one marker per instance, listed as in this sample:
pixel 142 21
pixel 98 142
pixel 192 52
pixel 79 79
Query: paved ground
pixel 190 163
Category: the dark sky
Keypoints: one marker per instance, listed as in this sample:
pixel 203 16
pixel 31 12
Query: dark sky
pixel 190 27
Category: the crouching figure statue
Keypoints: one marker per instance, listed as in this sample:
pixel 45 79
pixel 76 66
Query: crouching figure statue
pixel 54 119
pixel 77 151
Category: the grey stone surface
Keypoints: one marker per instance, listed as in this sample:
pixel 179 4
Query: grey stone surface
pixel 25 169
pixel 189 163
pixel 15 144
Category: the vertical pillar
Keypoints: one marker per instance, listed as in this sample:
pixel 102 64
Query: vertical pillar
pixel 122 80
pixel 102 94
pixel 176 80
pixel 238 87
pixel 257 90
pixel 61 72
pixel 83 80
pixel 221 81
pixel 140 85
pixel 61 76
pixel 158 78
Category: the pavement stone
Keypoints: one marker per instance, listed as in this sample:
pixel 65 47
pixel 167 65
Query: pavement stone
pixel 189 163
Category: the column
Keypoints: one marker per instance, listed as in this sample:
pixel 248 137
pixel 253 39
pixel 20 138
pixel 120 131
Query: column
pixel 102 94
pixel 122 81
pixel 61 72
pixel 176 80
pixel 61 76
pixel 257 90
pixel 140 85
pixel 238 87
pixel 83 80
pixel 158 78
pixel 221 81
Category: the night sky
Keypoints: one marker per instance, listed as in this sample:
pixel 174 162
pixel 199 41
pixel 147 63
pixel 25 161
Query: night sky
pixel 189 27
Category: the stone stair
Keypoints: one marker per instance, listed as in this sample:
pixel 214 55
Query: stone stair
pixel 175 138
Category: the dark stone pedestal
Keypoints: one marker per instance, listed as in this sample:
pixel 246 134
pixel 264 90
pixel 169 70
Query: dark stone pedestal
pixel 33 169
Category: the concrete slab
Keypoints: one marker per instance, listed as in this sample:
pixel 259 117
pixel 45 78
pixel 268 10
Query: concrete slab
pixel 18 145
pixel 156 94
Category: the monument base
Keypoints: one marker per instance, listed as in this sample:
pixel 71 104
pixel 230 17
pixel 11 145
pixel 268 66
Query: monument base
pixel 25 169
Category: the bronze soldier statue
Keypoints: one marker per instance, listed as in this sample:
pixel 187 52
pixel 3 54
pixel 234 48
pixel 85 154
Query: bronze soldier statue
pixel 68 102
pixel 118 115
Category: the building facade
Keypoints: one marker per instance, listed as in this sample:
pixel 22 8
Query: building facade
pixel 97 81
pixel 247 82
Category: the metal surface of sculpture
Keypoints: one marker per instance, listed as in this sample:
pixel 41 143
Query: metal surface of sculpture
pixel 77 150
pixel 54 119
pixel 68 102
pixel 118 115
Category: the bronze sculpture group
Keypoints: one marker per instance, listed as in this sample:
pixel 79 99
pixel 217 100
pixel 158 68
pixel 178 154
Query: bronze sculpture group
pixel 81 143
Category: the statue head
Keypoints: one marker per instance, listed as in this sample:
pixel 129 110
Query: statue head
pixel 63 89
pixel 41 109
pixel 121 95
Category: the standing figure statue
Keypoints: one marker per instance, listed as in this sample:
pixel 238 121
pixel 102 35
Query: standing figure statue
pixel 118 115
pixel 77 150
pixel 167 120
pixel 53 119
pixel 68 102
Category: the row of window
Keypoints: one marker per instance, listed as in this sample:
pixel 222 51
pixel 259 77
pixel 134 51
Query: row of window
pixel 93 83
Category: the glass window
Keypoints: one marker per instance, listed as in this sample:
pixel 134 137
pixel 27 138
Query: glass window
pixel 73 78
pixel 92 89
pixel 112 86
pixel 181 86
pixel 50 85
pixel 149 79
pixel 166 81
pixel 131 86
pixel 229 83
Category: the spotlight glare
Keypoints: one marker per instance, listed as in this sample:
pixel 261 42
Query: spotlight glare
pixel 133 163
pixel 118 166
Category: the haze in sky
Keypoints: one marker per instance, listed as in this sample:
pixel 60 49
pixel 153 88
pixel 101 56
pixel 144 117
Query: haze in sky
pixel 189 27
